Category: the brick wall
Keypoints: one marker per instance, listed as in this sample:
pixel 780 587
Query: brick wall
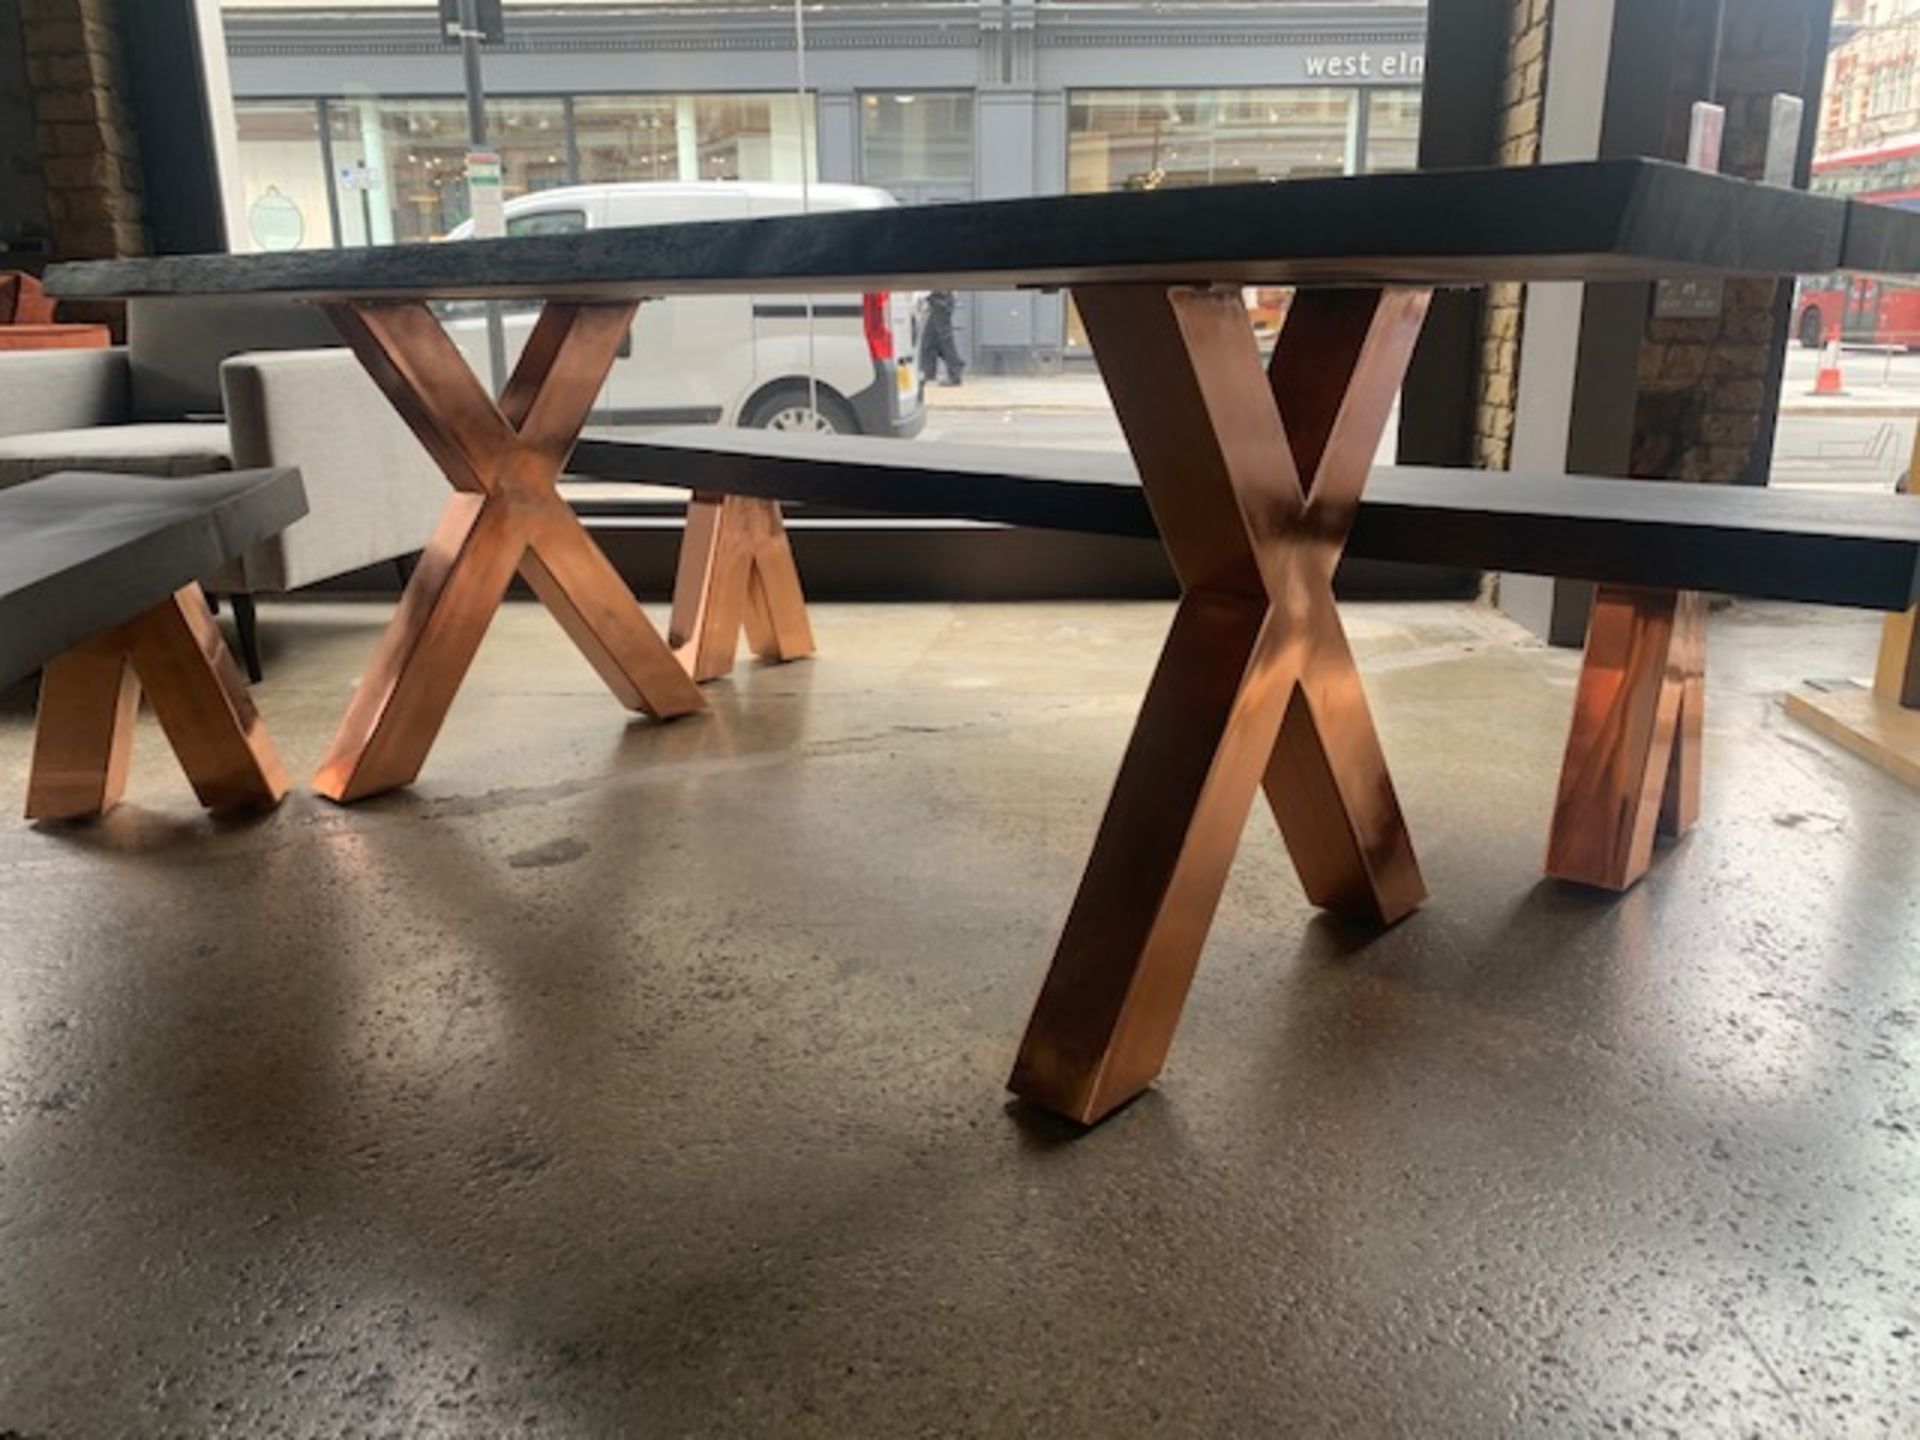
pixel 1703 383
pixel 90 161
pixel 1522 99
pixel 23 196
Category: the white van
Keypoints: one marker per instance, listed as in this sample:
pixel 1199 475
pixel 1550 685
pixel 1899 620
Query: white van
pixel 730 359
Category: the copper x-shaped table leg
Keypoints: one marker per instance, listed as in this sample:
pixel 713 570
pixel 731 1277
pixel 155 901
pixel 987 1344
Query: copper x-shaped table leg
pixel 503 459
pixel 1632 765
pixel 736 571
pixel 1254 481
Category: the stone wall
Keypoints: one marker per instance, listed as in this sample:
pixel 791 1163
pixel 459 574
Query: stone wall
pixel 1522 100
pixel 90 161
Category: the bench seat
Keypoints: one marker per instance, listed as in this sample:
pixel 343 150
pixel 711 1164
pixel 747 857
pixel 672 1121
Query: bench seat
pixel 99 583
pixel 1632 763
pixel 1860 551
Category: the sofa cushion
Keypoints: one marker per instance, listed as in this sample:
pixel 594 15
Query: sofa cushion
pixel 176 448
pixel 176 346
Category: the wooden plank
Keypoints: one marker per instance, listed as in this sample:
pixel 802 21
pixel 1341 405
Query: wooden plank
pixel 1851 550
pixel 1878 730
pixel 1593 220
pixel 81 553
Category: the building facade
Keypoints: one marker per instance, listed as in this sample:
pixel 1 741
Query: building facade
pixel 352 129
pixel 1873 75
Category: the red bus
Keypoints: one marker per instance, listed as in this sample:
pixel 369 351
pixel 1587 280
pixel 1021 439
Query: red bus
pixel 1865 310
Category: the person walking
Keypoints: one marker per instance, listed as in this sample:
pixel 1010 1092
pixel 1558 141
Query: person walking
pixel 936 342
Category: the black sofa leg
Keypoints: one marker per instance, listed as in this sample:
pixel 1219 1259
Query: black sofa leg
pixel 246 622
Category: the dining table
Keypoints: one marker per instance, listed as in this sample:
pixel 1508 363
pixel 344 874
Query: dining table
pixel 1253 465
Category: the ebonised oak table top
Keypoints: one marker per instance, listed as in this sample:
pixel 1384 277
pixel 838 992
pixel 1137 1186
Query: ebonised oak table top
pixel 1596 221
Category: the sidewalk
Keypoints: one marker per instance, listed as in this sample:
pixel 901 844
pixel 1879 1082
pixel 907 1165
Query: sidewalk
pixel 1083 391
pixel 1077 390
pixel 1860 402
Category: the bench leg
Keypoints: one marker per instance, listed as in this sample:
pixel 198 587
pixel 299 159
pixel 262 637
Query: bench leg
pixel 736 572
pixel 1254 481
pixel 83 735
pixel 1632 764
pixel 89 698
pixel 504 459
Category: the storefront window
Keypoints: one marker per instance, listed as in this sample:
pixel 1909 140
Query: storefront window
pixel 1166 139
pixel 908 140
pixel 412 156
pixel 531 137
pixel 626 137
pixel 1160 139
pixel 751 137
pixel 692 137
pixel 1393 130
pixel 401 165
pixel 398 166
pixel 283 175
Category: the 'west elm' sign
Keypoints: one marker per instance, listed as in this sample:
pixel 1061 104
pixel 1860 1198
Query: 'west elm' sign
pixel 1365 65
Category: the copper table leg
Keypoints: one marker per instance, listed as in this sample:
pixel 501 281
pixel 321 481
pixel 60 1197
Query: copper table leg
pixel 1633 755
pixel 736 572
pixel 90 696
pixel 504 460
pixel 1254 481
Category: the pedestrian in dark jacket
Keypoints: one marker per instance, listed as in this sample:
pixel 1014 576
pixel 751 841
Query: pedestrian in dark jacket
pixel 936 342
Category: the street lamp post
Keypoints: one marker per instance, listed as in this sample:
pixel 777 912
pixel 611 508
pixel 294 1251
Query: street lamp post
pixel 486 218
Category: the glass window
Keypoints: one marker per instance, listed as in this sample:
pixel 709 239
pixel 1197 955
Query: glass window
pixel 1154 139
pixel 693 137
pixel 916 139
pixel 751 137
pixel 626 137
pixel 400 166
pixel 531 138
pixel 548 222
pixel 283 175
pixel 1393 130
pixel 1161 139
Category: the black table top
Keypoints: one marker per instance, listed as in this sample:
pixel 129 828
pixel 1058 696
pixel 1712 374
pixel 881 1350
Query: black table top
pixel 1596 220
pixel 81 552
pixel 1853 550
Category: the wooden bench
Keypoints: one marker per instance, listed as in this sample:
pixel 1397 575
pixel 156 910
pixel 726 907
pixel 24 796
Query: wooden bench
pixel 99 583
pixel 1633 758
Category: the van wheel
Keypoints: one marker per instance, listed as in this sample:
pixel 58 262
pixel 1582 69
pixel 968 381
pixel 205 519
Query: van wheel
pixel 1812 333
pixel 792 407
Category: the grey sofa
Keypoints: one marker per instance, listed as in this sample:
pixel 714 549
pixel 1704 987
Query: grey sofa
pixel 202 386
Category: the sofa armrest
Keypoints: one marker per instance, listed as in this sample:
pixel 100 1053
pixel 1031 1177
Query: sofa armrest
pixel 372 492
pixel 62 390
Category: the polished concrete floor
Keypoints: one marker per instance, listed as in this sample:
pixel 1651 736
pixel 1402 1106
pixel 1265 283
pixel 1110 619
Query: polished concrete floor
pixel 626 1079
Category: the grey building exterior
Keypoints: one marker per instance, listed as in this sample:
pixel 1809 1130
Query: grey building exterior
pixel 1019 63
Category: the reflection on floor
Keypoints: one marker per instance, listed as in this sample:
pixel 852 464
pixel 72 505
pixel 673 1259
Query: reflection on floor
pixel 635 1079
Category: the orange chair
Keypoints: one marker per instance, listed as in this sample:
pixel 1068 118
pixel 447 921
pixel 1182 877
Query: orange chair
pixel 27 323
pixel 22 301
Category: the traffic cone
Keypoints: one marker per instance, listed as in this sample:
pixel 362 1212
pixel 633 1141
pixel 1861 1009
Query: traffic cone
pixel 1827 380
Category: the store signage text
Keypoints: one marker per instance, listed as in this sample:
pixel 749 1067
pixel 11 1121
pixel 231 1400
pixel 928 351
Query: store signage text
pixel 1366 65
